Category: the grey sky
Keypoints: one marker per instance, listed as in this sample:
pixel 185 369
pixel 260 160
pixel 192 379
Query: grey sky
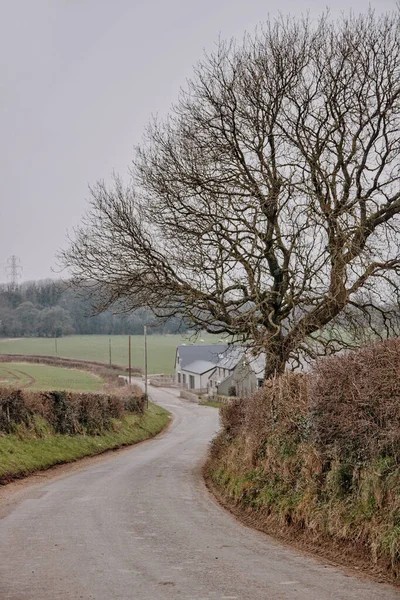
pixel 79 81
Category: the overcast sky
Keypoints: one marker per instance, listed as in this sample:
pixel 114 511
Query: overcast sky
pixel 79 81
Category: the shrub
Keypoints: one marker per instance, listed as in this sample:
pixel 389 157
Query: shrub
pixel 355 403
pixel 68 412
pixel 321 452
pixel 279 407
pixel 63 413
pixel 232 415
pixel 13 410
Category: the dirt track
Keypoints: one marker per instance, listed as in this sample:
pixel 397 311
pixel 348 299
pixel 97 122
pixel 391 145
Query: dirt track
pixel 16 379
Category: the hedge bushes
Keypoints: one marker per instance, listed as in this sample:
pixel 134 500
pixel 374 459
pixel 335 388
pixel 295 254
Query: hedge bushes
pixel 321 452
pixel 68 412
pixel 355 402
pixel 348 406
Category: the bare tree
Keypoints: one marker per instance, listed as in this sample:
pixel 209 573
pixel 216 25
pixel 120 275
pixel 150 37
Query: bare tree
pixel 266 206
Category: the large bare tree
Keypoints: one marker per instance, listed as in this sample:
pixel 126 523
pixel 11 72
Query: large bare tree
pixel 267 205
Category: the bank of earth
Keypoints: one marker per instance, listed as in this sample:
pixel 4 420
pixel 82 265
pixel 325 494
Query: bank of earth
pixel 38 447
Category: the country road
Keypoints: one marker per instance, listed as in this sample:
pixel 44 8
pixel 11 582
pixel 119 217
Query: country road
pixel 140 525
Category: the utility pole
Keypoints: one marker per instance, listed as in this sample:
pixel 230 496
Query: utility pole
pixel 130 363
pixel 55 343
pixel 13 270
pixel 109 351
pixel 145 366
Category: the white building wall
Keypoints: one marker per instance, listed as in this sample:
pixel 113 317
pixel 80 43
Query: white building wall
pixel 200 381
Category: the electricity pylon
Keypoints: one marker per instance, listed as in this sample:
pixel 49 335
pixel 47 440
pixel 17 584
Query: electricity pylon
pixel 13 270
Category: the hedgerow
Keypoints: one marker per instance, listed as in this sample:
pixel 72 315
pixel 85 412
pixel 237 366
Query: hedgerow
pixel 319 453
pixel 68 412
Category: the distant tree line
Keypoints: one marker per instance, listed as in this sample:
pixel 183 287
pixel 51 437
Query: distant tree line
pixel 49 308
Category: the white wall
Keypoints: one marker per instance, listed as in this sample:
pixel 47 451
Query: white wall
pixel 200 381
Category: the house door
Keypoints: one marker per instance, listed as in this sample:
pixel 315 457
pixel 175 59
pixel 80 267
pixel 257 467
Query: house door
pixel 191 382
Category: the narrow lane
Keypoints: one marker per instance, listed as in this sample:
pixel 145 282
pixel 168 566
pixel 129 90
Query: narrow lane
pixel 141 525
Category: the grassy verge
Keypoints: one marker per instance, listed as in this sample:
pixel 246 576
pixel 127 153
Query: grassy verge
pixel 315 459
pixel 282 494
pixel 38 447
pixel 210 403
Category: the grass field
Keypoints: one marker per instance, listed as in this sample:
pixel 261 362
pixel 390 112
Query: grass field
pixel 44 377
pixel 161 348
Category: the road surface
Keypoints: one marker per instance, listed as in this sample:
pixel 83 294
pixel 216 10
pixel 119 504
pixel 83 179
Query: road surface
pixel 140 525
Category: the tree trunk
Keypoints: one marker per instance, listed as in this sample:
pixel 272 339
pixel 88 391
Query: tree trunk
pixel 275 360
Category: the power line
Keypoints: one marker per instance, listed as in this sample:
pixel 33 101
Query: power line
pixel 13 270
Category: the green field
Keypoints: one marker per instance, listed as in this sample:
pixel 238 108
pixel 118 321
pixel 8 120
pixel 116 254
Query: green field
pixel 44 377
pixel 161 348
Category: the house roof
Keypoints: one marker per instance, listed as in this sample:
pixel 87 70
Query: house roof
pixel 230 358
pixel 202 358
pixel 206 352
pixel 199 367
pixel 255 363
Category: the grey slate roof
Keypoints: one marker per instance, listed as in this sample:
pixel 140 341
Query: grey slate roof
pixel 200 359
pixel 230 358
pixel 199 367
pixel 207 352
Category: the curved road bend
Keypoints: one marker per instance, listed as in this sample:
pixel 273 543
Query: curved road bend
pixel 141 525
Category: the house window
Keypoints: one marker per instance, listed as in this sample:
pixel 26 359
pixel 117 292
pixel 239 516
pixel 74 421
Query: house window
pixel 260 383
pixel 179 377
pixel 191 382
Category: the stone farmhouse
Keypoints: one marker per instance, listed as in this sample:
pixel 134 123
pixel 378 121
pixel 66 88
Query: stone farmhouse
pixel 218 369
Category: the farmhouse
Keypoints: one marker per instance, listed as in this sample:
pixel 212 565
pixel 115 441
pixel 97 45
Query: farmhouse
pixel 195 364
pixel 218 369
pixel 246 374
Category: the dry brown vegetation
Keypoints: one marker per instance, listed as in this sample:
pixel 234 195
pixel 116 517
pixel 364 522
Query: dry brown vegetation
pixel 70 413
pixel 356 403
pixel 318 455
